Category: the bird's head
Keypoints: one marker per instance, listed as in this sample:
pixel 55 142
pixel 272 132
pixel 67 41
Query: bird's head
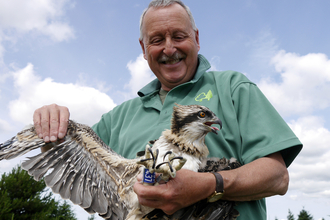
pixel 194 119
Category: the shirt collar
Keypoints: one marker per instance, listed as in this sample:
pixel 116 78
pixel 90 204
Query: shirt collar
pixel 154 85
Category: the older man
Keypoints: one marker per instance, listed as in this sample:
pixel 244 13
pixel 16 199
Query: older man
pixel 252 132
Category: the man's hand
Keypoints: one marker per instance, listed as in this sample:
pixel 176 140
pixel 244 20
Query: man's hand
pixel 51 122
pixel 264 177
pixel 185 189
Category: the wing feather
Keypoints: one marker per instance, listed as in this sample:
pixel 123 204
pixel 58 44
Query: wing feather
pixel 80 168
pixel 77 186
pixel 22 143
pixel 100 203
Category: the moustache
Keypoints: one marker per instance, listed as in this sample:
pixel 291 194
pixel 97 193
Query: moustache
pixel 176 56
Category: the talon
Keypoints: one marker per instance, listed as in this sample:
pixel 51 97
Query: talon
pixel 150 155
pixel 179 157
pixel 154 158
pixel 182 161
pixel 168 152
pixel 144 160
pixel 169 164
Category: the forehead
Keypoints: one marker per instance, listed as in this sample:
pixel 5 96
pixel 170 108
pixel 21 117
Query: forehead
pixel 171 18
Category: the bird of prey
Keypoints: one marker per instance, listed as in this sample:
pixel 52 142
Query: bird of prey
pixel 80 167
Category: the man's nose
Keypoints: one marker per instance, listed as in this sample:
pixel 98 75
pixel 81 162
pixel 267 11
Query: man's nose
pixel 169 48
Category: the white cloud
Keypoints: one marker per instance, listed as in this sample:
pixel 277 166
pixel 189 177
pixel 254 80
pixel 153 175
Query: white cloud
pixel 58 31
pixel 86 104
pixel 19 17
pixel 140 75
pixel 85 80
pixel 310 171
pixel 304 86
pixel 29 15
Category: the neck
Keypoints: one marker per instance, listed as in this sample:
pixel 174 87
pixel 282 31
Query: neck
pixel 188 142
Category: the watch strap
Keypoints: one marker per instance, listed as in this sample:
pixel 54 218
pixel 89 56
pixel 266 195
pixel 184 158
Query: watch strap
pixel 219 182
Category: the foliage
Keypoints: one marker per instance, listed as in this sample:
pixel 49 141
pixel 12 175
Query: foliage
pixel 21 197
pixel 92 217
pixel 290 215
pixel 304 215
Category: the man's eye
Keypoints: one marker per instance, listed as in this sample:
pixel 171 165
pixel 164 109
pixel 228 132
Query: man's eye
pixel 179 38
pixel 156 41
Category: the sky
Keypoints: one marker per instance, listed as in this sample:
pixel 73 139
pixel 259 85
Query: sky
pixel 85 55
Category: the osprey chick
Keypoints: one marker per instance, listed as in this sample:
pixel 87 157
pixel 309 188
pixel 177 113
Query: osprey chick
pixel 89 173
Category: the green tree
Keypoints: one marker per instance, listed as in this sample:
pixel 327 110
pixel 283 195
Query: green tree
pixel 21 197
pixel 304 215
pixel 290 215
pixel 92 217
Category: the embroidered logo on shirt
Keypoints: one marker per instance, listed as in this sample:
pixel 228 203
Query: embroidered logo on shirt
pixel 203 96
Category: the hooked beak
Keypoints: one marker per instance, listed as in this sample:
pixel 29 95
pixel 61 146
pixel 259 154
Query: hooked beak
pixel 214 129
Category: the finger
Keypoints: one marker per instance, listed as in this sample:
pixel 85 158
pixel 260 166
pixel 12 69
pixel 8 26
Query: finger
pixel 54 121
pixel 139 178
pixel 37 122
pixel 156 204
pixel 64 120
pixel 142 191
pixel 149 192
pixel 44 117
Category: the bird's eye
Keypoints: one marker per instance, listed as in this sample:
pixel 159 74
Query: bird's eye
pixel 202 114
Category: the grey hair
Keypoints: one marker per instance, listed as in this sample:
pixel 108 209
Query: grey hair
pixel 165 3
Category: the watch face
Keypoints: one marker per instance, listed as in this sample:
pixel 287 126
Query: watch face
pixel 215 197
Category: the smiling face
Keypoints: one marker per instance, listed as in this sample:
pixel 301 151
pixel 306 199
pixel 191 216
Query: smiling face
pixel 170 45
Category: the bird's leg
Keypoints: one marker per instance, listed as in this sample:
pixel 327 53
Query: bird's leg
pixel 169 170
pixel 150 159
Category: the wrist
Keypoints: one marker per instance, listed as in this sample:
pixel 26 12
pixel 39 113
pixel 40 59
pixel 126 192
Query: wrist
pixel 219 188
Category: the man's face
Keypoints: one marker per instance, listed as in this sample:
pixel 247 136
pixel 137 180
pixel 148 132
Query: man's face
pixel 170 45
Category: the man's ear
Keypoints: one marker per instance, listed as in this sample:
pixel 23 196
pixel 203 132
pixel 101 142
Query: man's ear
pixel 197 39
pixel 143 49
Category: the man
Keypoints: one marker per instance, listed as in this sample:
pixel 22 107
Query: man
pixel 252 131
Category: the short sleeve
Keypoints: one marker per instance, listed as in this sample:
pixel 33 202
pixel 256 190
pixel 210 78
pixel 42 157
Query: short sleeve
pixel 263 131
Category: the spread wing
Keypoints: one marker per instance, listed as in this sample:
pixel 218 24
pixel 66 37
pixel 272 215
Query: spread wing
pixel 221 209
pixel 80 168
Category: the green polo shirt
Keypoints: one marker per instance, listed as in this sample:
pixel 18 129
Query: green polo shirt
pixel 252 128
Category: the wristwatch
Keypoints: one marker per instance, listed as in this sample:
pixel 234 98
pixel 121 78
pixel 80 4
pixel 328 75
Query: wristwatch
pixel 218 189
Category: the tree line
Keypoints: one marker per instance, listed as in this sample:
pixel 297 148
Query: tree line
pixel 21 197
pixel 303 215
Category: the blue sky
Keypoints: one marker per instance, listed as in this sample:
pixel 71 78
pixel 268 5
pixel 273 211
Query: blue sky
pixel 86 55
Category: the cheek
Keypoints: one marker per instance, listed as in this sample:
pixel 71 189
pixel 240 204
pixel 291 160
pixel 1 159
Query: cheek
pixel 153 52
pixel 189 46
